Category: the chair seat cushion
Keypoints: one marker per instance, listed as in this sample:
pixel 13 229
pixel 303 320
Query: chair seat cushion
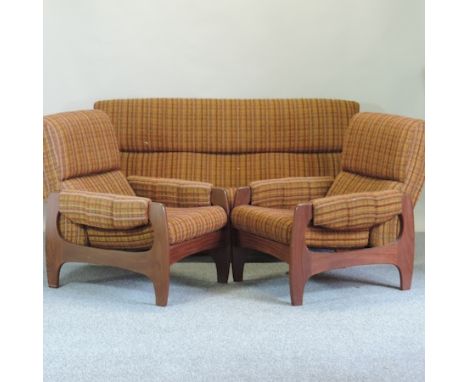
pixel 276 224
pixel 183 224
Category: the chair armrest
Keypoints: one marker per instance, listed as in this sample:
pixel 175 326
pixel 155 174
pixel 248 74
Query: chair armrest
pixel 288 192
pixel 104 210
pixel 356 211
pixel 172 192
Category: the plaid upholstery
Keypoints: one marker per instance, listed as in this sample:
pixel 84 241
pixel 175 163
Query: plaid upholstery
pixel 380 145
pixel 112 182
pixel 229 143
pixel 172 192
pixel 72 232
pixel 399 150
pixel 104 210
pixel 78 143
pixel 288 192
pixel 356 211
pixel 183 224
pixel 229 170
pixel 229 125
pixel 276 224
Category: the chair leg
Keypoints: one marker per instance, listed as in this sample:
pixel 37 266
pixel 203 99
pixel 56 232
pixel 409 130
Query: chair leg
pixel 222 260
pixel 53 263
pixel 405 268
pixel 161 287
pixel 53 273
pixel 238 262
pixel 296 286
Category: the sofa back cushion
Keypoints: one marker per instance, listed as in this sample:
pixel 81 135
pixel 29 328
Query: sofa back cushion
pixel 78 144
pixel 229 142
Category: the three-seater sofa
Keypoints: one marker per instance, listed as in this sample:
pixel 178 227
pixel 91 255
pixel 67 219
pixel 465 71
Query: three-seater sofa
pixel 166 147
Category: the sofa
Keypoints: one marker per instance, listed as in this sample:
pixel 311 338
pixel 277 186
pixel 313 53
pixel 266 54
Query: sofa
pixel 235 154
pixel 229 143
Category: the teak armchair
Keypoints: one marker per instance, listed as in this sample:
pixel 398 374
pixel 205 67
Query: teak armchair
pixel 365 214
pixel 96 215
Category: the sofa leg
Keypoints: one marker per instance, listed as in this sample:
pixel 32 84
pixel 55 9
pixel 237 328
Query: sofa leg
pixel 238 262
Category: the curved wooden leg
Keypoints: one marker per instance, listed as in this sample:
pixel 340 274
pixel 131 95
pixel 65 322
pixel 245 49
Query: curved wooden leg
pixel 296 287
pixel 161 288
pixel 53 272
pixel 406 245
pixel 238 262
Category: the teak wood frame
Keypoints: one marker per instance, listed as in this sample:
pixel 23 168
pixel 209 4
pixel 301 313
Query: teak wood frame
pixel 304 263
pixel 154 263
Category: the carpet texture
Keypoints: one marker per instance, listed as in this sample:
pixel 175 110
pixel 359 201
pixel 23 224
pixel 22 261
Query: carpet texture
pixel 355 325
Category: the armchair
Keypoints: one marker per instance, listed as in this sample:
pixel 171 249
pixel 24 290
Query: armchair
pixel 365 215
pixel 96 215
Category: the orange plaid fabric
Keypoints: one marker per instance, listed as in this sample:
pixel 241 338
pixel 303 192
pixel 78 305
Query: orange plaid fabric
pixel 104 210
pixel 172 192
pixel 356 211
pixel 288 192
pixel 77 143
pixel 276 224
pixel 381 145
pixel 229 125
pixel 183 224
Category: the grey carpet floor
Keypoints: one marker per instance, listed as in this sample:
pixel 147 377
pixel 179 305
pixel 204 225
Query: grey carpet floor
pixel 355 325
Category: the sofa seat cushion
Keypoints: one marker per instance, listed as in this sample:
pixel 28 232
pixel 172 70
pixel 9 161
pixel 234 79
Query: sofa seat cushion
pixel 276 224
pixel 183 224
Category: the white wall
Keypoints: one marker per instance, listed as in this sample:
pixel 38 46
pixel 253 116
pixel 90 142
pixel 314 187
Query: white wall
pixel 371 51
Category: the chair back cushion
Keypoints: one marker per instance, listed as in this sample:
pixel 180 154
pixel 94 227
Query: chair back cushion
pixel 78 144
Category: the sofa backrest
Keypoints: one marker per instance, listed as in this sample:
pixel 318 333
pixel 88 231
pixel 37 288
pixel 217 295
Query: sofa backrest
pixel 81 152
pixel 229 142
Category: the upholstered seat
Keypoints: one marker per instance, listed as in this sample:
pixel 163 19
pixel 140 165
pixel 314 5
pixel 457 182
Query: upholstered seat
pixel 277 223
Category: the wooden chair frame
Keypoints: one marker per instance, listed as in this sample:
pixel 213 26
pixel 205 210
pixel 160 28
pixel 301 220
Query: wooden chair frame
pixel 154 263
pixel 304 262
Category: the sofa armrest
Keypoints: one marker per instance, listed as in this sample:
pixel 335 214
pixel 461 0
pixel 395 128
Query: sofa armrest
pixel 288 192
pixel 356 211
pixel 104 210
pixel 172 192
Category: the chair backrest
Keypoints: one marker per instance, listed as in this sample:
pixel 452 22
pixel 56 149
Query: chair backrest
pixel 81 152
pixel 380 152
pixel 229 142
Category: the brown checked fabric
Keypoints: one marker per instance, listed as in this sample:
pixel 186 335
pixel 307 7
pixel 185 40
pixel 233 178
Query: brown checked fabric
pixel 183 224
pixel 229 170
pixel 288 192
pixel 381 146
pixel 104 210
pixel 229 143
pixel 78 143
pixel 172 192
pixel 276 224
pixel 229 125
pixel 356 211
pixel 398 150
